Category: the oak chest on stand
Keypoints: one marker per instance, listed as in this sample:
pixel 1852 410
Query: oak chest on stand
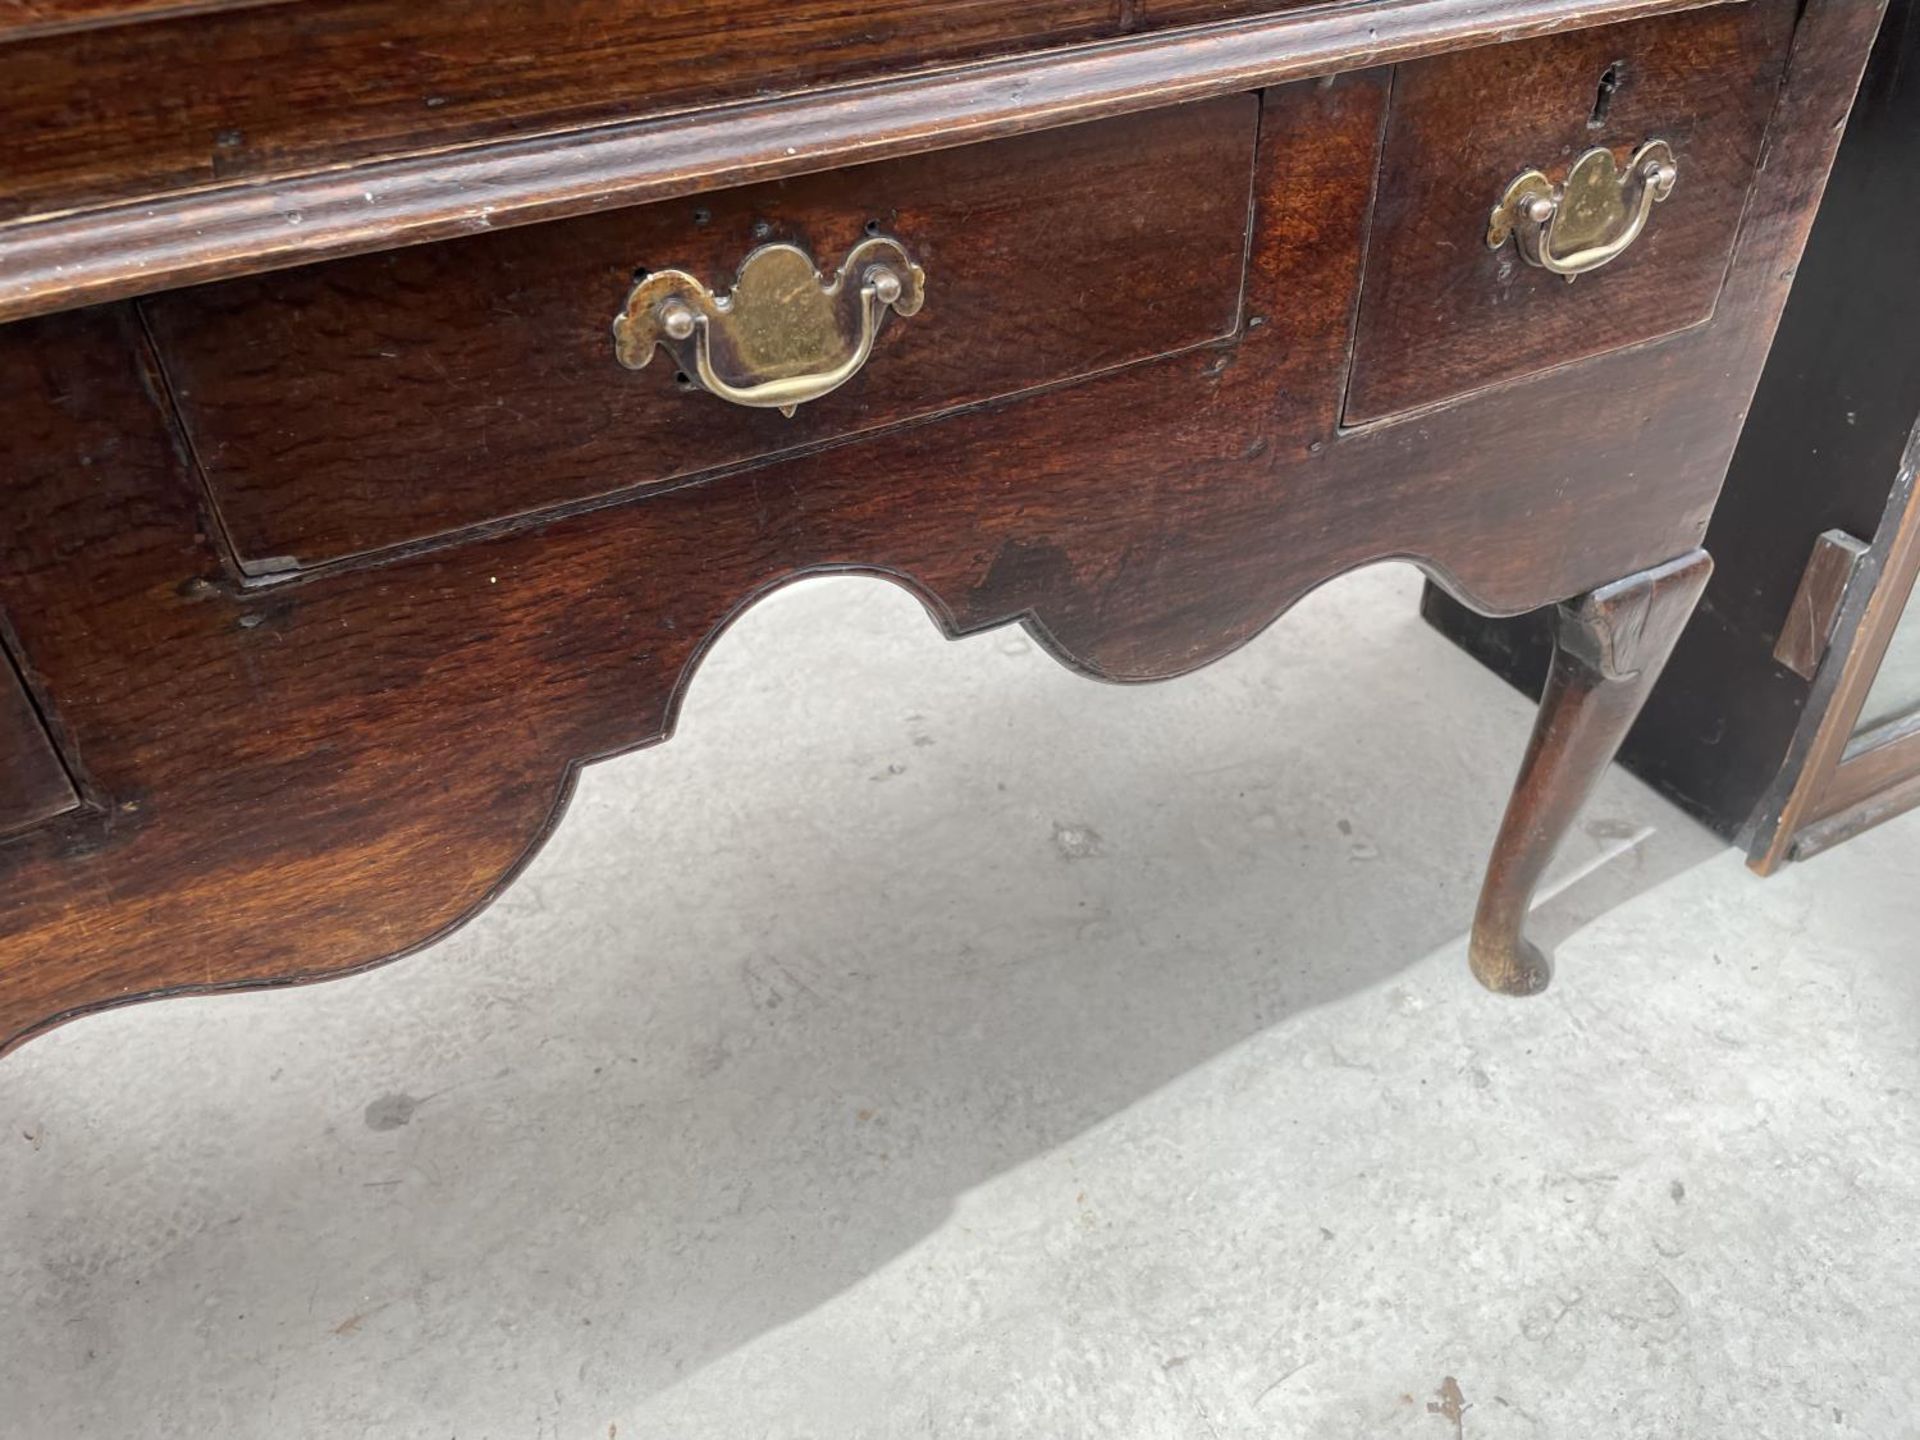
pixel 396 400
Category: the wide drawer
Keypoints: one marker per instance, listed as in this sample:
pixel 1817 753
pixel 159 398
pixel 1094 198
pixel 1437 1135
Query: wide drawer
pixel 1443 312
pixel 367 403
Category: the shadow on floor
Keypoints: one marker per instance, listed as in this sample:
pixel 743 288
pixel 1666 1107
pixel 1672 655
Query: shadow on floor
pixel 889 917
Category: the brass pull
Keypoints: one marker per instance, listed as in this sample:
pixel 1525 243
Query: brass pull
pixel 784 333
pixel 1593 218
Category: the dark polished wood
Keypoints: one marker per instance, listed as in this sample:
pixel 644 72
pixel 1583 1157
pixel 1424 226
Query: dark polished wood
pixel 450 72
pixel 115 112
pixel 181 237
pixel 1838 561
pixel 1752 729
pixel 1609 648
pixel 21 18
pixel 301 775
pixel 34 786
pixel 351 407
pixel 1441 316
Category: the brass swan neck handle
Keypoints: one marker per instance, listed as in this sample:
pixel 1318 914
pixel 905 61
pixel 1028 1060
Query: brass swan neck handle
pixel 784 334
pixel 1591 220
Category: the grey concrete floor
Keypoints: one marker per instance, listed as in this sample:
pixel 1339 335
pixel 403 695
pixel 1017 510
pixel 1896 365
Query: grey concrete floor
pixel 929 1042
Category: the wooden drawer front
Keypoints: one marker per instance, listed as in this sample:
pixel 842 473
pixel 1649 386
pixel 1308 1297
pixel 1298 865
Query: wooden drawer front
pixel 366 403
pixel 33 783
pixel 1442 313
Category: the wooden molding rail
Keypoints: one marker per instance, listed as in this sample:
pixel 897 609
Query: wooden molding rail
pixel 87 257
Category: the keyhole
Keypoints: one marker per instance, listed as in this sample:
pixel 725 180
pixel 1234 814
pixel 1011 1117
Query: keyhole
pixel 1610 81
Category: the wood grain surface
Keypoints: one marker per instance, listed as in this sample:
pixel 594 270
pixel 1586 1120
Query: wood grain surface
pixel 91 253
pixel 114 113
pixel 199 95
pixel 1443 313
pixel 21 18
pixel 1730 735
pixel 300 779
pixel 33 783
pixel 1807 629
pixel 348 407
pixel 1610 646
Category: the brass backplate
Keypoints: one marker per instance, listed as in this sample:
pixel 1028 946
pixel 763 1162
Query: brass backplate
pixel 783 334
pixel 1592 217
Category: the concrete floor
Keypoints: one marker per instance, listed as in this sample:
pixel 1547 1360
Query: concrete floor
pixel 931 1043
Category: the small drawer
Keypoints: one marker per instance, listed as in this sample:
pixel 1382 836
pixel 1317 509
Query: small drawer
pixel 371 402
pixel 34 786
pixel 1443 312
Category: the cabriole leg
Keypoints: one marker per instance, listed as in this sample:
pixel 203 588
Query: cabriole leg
pixel 1609 647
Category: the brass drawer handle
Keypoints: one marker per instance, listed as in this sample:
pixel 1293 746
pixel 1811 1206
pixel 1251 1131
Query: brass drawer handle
pixel 1593 218
pixel 784 333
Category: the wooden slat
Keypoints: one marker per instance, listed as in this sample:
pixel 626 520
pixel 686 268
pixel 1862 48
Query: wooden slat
pixel 1866 791
pixel 1880 590
pixel 1808 628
